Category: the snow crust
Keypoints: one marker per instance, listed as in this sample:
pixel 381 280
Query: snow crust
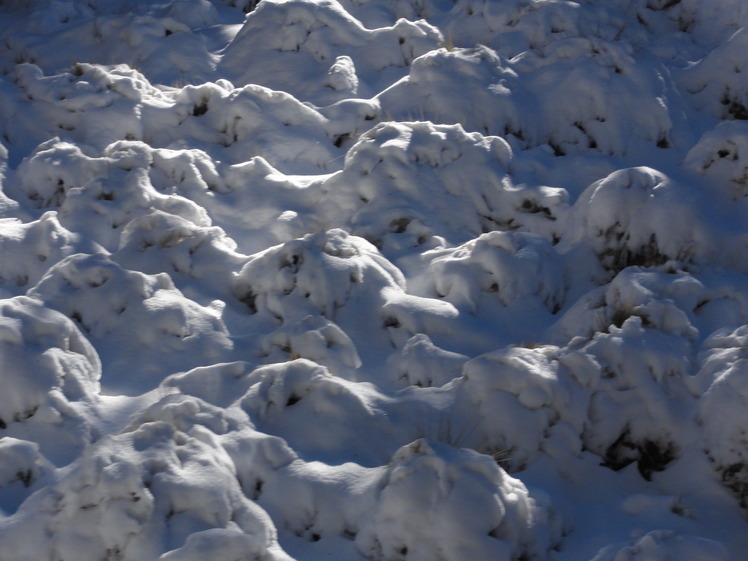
pixel 369 280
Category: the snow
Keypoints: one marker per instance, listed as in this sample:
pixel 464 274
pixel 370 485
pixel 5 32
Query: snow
pixel 377 281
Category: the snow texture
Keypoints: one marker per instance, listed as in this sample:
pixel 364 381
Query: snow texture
pixel 412 280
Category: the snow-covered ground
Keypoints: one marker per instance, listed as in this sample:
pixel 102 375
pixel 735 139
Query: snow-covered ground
pixel 411 280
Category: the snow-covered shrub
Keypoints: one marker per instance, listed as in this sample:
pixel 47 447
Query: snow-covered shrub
pixel 666 545
pixel 138 495
pixel 421 363
pixel 28 250
pixel 639 409
pixel 472 87
pixel 721 156
pixel 91 104
pixel 55 167
pixel 718 81
pixel 404 183
pixel 437 502
pixel 20 462
pixel 163 242
pixel 665 298
pixel 134 317
pixel 507 266
pixel 318 274
pixel 722 409
pixel 559 96
pixel 189 172
pixel 329 500
pixel 315 338
pixel 218 384
pixel 184 412
pixel 572 81
pixel 637 216
pixel 320 415
pixel 252 120
pixel 158 42
pixel 50 378
pixel 23 471
pixel 508 401
pixel 304 41
pixel 100 105
pixel 223 544
pixel 98 195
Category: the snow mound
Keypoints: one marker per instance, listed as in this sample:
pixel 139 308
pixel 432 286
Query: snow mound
pixel 319 52
pixel 718 81
pixel 50 379
pixel 318 414
pixel 663 545
pixel 315 275
pixel 509 402
pixel 640 410
pixel 721 156
pixel 47 240
pixel 638 216
pixel 466 505
pixel 722 407
pixel 380 192
pixel 138 495
pixel 135 317
pixel 520 99
pixel 511 265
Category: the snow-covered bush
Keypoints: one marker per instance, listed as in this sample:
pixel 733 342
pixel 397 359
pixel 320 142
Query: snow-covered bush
pixel 559 96
pixel 53 169
pixel 318 414
pixel 163 242
pixel 318 274
pixel 421 363
pixel 509 265
pixel 50 378
pixel 721 156
pixel 20 462
pixel 247 121
pixel 138 495
pixel 723 406
pixel 315 338
pixel 718 81
pixel 134 317
pixel 665 298
pixel 507 402
pixel 639 410
pixel 638 216
pixel 664 545
pixel 406 185
pixel 28 250
pixel 305 40
pixel 438 502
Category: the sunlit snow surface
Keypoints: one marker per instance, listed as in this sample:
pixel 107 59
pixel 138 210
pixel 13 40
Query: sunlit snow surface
pixel 413 280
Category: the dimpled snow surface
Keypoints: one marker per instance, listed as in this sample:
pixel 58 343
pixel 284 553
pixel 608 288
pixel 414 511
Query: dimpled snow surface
pixel 373 280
